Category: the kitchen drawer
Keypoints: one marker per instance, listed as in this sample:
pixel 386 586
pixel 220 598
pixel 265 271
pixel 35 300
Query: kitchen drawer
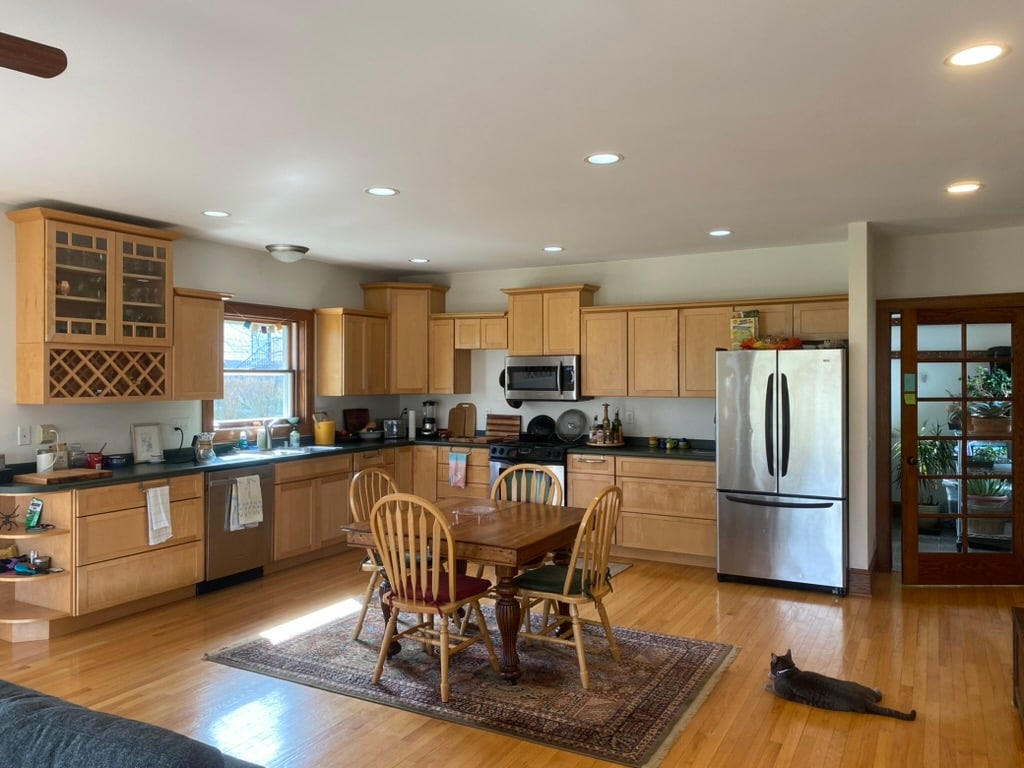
pixel 669 469
pixel 668 534
pixel 382 457
pixel 475 457
pixel 113 582
pixel 591 463
pixel 126 531
pixel 668 497
pixel 94 501
pixel 286 471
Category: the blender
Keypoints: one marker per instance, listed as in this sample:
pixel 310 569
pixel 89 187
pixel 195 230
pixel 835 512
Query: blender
pixel 429 419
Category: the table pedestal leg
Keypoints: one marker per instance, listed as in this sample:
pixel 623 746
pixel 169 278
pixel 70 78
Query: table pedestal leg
pixel 506 610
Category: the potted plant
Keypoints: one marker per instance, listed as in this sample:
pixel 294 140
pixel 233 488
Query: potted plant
pixel 935 458
pixel 989 416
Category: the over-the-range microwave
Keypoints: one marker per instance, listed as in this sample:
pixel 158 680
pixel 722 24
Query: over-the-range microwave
pixel 545 377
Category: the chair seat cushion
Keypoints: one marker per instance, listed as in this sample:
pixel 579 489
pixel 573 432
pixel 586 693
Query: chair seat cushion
pixel 550 578
pixel 465 588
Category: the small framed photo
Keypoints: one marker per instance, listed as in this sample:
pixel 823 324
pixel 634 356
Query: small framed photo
pixel 146 443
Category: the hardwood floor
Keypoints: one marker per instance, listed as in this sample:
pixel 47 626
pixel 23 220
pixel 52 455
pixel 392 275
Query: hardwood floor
pixel 944 651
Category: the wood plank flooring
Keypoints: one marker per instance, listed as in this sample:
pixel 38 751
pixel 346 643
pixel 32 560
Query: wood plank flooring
pixel 944 651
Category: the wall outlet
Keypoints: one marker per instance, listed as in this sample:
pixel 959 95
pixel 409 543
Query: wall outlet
pixel 179 422
pixel 24 435
pixel 629 416
pixel 46 434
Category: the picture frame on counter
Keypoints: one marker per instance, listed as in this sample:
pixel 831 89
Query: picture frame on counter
pixel 146 444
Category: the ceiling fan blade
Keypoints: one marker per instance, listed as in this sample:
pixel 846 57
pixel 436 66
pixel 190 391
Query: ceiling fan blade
pixel 30 57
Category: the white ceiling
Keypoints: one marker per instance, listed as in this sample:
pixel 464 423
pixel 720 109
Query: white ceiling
pixel 783 121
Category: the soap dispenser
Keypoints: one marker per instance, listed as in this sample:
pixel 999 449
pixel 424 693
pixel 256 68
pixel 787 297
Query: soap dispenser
pixel 294 437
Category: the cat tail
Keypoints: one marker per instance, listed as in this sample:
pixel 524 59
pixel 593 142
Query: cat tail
pixel 876 709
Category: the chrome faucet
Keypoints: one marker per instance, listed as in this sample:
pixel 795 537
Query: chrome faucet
pixel 268 427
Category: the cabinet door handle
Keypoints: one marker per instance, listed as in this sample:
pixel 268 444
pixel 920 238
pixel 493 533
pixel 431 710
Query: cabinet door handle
pixel 600 460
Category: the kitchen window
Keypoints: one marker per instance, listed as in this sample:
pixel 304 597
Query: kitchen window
pixel 267 370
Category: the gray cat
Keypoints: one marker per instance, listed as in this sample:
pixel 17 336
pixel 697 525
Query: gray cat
pixel 791 683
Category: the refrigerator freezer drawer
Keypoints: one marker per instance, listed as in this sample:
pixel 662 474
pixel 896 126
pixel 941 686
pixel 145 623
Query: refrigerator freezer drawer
pixel 801 541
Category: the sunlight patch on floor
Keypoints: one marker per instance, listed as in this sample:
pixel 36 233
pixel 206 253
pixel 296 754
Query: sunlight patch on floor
pixel 317 618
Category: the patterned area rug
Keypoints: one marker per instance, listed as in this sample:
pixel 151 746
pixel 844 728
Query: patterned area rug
pixel 631 714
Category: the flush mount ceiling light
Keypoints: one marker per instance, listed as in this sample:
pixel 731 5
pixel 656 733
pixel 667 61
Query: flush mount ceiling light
pixel 553 248
pixel 964 187
pixel 287 253
pixel 977 54
pixel 382 191
pixel 720 232
pixel 216 214
pixel 420 261
pixel 603 158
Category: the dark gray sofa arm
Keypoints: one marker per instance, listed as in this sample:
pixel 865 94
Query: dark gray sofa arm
pixel 42 731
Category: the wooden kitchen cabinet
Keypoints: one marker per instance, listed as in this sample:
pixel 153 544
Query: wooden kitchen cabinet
pixel 546 321
pixel 424 471
pixel 814 320
pixel 114 562
pixel 449 370
pixel 198 352
pixel 585 475
pixel 702 330
pixel 478 480
pixel 93 307
pixel 310 504
pixel 409 307
pixel 668 507
pixel 29 604
pixel 604 353
pixel 488 330
pixel 351 352
pixel 654 353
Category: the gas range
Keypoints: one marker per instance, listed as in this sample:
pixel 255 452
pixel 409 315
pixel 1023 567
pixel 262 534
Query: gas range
pixel 530 450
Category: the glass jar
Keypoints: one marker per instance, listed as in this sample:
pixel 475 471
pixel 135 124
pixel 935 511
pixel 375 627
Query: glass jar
pixel 204 447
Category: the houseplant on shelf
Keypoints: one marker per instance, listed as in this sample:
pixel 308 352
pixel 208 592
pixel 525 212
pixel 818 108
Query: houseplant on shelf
pixel 990 416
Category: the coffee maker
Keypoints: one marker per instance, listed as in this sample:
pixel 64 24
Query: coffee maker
pixel 429 419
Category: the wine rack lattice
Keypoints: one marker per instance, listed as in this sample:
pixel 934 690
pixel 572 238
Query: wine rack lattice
pixel 91 374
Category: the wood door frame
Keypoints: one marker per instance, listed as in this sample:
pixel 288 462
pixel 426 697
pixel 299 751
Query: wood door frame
pixel 883 383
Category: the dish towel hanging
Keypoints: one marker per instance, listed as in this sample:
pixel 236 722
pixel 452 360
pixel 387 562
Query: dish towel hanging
pixel 457 470
pixel 246 506
pixel 158 509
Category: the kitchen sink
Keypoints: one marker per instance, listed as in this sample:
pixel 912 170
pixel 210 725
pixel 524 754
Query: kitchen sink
pixel 275 453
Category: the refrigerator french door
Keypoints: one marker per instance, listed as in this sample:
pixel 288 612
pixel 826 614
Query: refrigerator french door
pixel 781 438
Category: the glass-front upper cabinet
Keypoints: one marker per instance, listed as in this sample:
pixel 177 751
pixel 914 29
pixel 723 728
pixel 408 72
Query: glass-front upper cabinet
pixel 145 290
pixel 80 260
pixel 107 287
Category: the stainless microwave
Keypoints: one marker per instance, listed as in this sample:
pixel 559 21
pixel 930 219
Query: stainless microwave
pixel 545 377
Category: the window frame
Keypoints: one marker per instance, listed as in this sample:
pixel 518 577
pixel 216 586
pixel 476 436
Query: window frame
pixel 305 375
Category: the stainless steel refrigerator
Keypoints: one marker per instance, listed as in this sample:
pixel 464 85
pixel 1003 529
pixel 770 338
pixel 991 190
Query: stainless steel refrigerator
pixel 781 430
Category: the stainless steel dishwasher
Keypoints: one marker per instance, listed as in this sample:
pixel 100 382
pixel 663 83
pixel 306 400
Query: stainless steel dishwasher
pixel 235 556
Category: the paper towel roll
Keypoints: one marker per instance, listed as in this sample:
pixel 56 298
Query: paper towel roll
pixel 411 414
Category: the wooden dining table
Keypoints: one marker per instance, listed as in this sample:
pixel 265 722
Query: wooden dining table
pixel 507 535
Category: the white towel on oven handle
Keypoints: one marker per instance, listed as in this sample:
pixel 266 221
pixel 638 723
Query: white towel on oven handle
pixel 158 509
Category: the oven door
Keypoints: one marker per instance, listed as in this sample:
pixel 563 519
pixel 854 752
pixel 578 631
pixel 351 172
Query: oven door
pixel 497 466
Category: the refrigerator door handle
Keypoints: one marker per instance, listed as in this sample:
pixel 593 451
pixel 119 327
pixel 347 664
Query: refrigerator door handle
pixel 786 505
pixel 784 427
pixel 769 431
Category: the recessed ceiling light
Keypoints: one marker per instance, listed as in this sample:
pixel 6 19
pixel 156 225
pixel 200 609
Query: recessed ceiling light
pixel 720 232
pixel 216 214
pixel 603 158
pixel 553 248
pixel 382 191
pixel 977 54
pixel 964 187
pixel 420 261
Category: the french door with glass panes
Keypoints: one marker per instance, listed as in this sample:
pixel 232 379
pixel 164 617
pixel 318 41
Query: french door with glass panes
pixel 956 455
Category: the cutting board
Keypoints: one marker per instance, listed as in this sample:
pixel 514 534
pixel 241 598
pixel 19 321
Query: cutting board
pixel 504 426
pixel 354 419
pixel 462 420
pixel 56 476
